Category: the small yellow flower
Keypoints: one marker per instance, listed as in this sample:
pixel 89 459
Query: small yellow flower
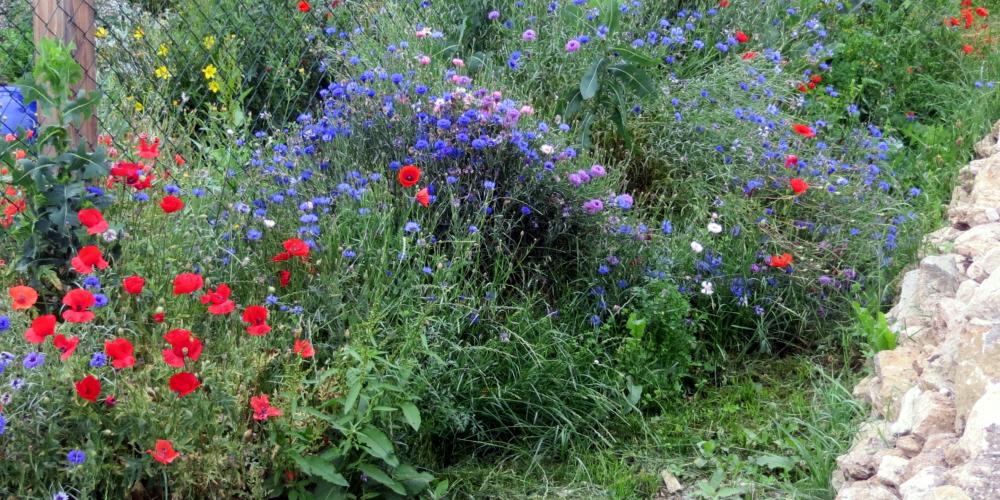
pixel 209 42
pixel 138 33
pixel 163 50
pixel 213 86
pixel 209 71
pixel 139 107
pixel 163 73
pixel 101 32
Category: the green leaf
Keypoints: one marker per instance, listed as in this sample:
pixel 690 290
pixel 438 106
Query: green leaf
pixel 573 105
pixel 411 414
pixel 775 462
pixel 610 15
pixel 377 444
pixel 315 466
pixel 591 81
pixel 81 108
pixel 414 480
pixel 634 77
pixel 635 57
pixel 634 392
pixel 441 489
pixel 379 476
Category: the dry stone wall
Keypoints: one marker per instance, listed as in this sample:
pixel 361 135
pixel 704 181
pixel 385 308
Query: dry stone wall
pixel 935 426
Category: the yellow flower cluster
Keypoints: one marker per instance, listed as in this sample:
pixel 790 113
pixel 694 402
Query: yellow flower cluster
pixel 162 73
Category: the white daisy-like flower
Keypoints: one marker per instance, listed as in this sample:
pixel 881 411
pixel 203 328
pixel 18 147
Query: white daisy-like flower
pixel 696 247
pixel 707 287
pixel 714 228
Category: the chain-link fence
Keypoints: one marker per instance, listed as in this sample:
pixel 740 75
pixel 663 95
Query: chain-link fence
pixel 177 65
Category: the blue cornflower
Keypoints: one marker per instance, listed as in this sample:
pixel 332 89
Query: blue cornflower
pixel 98 359
pixel 34 359
pixel 4 323
pixel 411 227
pixel 76 457
pixel 92 282
pixel 100 300
pixel 667 227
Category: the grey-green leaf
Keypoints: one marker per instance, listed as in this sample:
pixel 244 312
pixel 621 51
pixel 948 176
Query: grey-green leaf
pixel 411 414
pixel 635 57
pixel 591 81
pixel 379 476
pixel 634 77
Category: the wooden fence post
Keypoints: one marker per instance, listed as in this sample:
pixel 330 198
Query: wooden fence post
pixel 72 21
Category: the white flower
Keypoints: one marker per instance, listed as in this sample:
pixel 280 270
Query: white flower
pixel 714 228
pixel 268 223
pixel 707 287
pixel 547 149
pixel 696 247
pixel 110 235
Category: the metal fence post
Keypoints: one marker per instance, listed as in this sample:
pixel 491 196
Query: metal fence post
pixel 72 21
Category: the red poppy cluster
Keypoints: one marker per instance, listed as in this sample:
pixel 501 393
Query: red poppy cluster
pixel 979 33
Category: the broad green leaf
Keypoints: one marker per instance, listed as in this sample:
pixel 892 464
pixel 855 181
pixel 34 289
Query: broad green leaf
pixel 377 444
pixel 611 14
pixel 414 480
pixel 441 489
pixel 634 392
pixel 315 466
pixel 82 107
pixel 411 414
pixel 775 462
pixel 573 105
pixel 634 77
pixel 591 81
pixel 379 476
pixel 635 57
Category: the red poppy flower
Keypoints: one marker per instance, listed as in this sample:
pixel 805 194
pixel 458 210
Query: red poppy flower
pixel 294 247
pixel 262 409
pixel 159 317
pixel 982 12
pixel 967 48
pixel 219 300
pixel 41 327
pixel 952 21
pixel 187 283
pixel 66 346
pixel 967 17
pixel 803 130
pixel 791 160
pixel 79 302
pixel 164 452
pixel 133 284
pixel 424 197
pixel 23 297
pixel 93 220
pixel 182 345
pixel 121 352
pixel 303 348
pixel 179 160
pixel 723 3
pixel 409 175
pixel 966 3
pixel 284 277
pixel 89 388
pixel 171 204
pixel 798 185
pixel 742 37
pixel 88 257
pixel 304 6
pixel 148 151
pixel 749 55
pixel 256 316
pixel 184 383
pixel 781 261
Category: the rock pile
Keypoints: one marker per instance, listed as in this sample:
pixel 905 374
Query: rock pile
pixel 935 432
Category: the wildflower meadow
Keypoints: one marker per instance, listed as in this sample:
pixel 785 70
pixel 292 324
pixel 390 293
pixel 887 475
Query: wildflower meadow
pixel 469 248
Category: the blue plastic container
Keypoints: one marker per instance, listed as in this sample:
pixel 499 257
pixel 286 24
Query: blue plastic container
pixel 13 112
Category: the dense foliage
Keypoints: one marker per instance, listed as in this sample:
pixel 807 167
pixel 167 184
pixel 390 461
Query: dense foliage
pixel 493 227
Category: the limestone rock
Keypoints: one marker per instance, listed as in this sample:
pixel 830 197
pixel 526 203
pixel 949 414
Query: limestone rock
pixel 983 265
pixel 978 240
pixel 891 469
pixel 985 304
pixel 861 462
pixel 978 204
pixel 949 492
pixel 940 274
pixel 910 445
pixel 989 145
pixel 977 365
pixel 867 491
pixel 670 482
pixel 895 373
pixel 935 413
pixel 982 429
pixel 922 483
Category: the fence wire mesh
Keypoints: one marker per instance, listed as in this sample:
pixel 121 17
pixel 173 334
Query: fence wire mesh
pixel 178 64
